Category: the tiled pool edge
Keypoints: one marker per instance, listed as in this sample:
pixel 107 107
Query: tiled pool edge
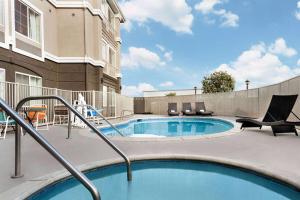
pixel 31 186
pixel 234 130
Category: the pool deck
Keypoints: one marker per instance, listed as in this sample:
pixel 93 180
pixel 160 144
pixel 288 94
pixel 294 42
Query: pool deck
pixel 255 149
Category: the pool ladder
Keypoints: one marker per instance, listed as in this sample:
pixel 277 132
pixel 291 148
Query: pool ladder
pixel 46 145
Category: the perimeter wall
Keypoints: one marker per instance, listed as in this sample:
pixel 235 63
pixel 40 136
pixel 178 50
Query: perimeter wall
pixel 250 103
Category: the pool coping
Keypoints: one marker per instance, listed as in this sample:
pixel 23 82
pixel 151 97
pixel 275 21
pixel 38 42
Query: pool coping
pixel 234 130
pixel 32 186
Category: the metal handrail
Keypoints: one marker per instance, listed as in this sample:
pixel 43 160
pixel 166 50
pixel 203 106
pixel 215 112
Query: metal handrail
pixel 46 145
pixel 110 124
pixel 82 118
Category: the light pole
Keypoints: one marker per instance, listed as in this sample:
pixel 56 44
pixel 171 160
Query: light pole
pixel 247 84
pixel 195 88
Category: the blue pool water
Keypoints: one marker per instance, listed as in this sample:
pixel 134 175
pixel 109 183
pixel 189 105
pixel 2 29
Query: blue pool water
pixel 172 180
pixel 169 127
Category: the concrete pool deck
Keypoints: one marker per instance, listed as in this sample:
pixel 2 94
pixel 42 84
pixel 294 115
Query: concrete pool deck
pixel 255 149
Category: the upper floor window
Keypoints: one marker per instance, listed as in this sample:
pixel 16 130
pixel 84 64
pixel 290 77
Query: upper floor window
pixel 27 21
pixel 2 12
pixel 104 50
pixel 111 17
pixel 104 8
pixel 112 57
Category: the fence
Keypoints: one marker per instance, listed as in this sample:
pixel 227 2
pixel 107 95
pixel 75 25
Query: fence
pixel 113 104
pixel 251 103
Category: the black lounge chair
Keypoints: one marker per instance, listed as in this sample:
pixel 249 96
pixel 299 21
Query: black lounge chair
pixel 187 109
pixel 279 110
pixel 172 109
pixel 201 110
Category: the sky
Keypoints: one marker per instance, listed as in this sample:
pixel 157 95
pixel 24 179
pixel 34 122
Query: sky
pixel 173 44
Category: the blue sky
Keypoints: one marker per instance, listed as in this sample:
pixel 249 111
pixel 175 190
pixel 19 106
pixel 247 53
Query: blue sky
pixel 172 44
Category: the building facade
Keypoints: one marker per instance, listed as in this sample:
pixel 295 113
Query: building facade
pixel 72 45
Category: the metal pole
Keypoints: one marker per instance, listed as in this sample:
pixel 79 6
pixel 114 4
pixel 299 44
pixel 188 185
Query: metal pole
pixel 17 172
pixel 69 125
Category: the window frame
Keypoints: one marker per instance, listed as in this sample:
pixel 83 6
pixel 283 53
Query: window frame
pixel 26 39
pixel 3 70
pixel 114 60
pixel 5 25
pixel 104 45
pixel 2 84
pixel 29 76
pixel 2 21
pixel 29 31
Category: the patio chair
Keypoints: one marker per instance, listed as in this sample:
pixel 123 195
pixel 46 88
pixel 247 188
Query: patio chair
pixel 39 116
pixel 201 109
pixel 172 109
pixel 92 115
pixel 279 110
pixel 187 109
pixel 61 113
pixel 5 123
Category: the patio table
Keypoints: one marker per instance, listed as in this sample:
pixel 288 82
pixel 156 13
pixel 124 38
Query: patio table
pixel 35 110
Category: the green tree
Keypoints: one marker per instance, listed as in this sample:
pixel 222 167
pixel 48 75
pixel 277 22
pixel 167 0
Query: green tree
pixel 219 81
pixel 171 94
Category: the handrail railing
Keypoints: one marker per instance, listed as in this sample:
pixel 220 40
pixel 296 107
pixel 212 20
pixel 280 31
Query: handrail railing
pixel 82 118
pixel 108 122
pixel 46 145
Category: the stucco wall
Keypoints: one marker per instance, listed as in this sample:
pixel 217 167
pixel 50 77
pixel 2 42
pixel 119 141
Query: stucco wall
pixel 251 103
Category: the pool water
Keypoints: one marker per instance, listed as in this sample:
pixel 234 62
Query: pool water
pixel 172 180
pixel 170 127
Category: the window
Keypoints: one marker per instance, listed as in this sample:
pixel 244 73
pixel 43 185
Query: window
pixel 2 12
pixel 2 82
pixel 29 86
pixel 104 50
pixel 27 79
pixel 27 21
pixel 111 18
pixel 104 8
pixel 111 57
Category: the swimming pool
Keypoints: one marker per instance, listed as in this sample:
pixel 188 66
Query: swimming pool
pixel 170 127
pixel 172 180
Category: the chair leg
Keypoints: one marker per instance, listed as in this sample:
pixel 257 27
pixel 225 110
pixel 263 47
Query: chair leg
pixel 54 120
pixel 46 121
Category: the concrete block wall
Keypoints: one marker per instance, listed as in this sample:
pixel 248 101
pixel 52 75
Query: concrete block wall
pixel 250 103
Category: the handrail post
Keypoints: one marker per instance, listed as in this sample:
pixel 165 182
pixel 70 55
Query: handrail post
pixel 17 171
pixel 69 124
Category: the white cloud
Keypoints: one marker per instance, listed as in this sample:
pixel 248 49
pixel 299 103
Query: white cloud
pixel 138 90
pixel 177 69
pixel 175 14
pixel 167 84
pixel 207 8
pixel 298 63
pixel 230 19
pixel 141 57
pixel 160 47
pixel 168 56
pixel 280 47
pixel 258 65
pixel 297 13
